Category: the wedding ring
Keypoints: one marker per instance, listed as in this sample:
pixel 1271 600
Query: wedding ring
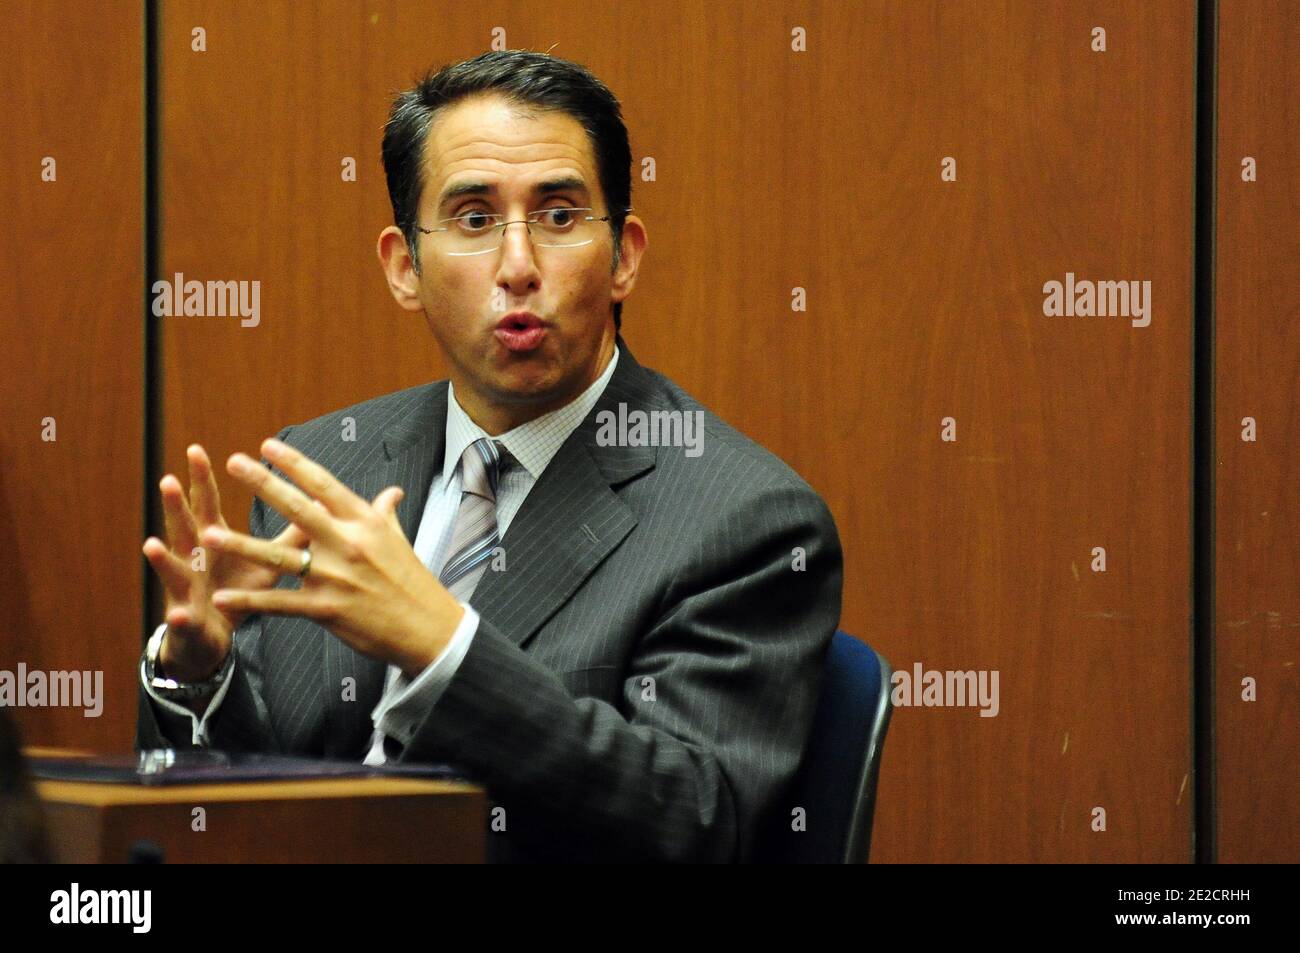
pixel 306 563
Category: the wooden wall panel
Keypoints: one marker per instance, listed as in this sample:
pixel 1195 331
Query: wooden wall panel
pixel 1257 375
pixel 254 133
pixel 1072 431
pixel 70 508
pixel 818 170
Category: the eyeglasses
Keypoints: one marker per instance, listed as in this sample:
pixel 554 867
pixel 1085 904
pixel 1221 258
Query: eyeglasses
pixel 478 232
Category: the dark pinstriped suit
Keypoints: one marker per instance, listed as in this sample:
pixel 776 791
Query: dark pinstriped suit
pixel 624 563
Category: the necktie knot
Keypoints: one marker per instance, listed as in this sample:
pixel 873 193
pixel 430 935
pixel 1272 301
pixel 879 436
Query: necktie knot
pixel 481 465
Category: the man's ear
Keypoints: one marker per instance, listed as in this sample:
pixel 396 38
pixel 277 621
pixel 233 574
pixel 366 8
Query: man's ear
pixel 395 259
pixel 632 247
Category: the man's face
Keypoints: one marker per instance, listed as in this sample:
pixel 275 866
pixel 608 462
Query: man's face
pixel 486 141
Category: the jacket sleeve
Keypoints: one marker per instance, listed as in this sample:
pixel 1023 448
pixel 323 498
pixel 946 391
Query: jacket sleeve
pixel 713 715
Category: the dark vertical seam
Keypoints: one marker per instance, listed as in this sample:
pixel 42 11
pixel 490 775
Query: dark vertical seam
pixel 1205 846
pixel 151 512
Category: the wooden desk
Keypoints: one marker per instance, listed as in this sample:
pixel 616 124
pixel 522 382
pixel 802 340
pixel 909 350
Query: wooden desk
pixel 360 820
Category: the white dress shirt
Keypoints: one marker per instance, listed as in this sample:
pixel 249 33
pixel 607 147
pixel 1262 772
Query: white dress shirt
pixel 406 702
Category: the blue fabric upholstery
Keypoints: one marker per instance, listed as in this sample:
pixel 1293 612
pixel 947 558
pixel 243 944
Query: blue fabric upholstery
pixel 836 784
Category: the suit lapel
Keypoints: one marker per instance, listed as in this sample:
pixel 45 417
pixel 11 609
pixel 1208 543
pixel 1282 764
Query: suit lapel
pixel 571 520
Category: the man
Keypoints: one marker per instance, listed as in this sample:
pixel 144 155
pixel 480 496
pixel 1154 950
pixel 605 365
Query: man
pixel 621 640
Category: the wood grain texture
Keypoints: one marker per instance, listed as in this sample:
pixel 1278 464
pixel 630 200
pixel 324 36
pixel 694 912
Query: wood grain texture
pixel 71 511
pixel 365 820
pixel 1257 375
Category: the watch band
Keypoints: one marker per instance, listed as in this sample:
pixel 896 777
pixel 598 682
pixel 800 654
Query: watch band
pixel 170 688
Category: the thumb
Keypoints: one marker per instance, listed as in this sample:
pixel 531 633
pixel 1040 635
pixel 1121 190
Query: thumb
pixel 386 503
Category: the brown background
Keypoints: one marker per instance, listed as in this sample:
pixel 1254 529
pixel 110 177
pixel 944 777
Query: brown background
pixel 1257 355
pixel 775 170
pixel 73 349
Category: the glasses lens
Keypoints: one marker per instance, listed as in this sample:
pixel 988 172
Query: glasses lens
pixel 563 226
pixel 478 232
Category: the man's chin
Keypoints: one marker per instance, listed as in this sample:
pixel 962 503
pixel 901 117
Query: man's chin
pixel 533 390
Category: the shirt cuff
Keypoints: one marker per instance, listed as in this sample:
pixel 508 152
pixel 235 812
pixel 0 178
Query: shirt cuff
pixel 408 702
pixel 199 726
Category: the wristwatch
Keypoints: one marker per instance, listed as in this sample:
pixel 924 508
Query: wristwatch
pixel 169 688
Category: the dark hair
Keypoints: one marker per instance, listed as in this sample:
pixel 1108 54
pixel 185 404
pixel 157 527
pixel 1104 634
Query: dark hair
pixel 526 79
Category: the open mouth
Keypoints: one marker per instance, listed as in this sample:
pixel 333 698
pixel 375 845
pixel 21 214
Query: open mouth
pixel 520 332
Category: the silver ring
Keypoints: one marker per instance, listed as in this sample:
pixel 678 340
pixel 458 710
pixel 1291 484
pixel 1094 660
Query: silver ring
pixel 306 563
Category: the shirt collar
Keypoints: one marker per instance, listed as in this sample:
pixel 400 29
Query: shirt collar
pixel 533 443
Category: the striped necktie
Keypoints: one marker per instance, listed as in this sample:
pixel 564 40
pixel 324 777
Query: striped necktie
pixel 474 534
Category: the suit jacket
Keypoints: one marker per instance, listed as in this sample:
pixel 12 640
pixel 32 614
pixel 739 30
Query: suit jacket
pixel 643 678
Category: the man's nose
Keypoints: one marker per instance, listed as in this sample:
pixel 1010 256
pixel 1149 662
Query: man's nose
pixel 515 238
pixel 517 252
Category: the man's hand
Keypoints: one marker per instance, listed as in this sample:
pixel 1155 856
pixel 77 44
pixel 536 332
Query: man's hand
pixel 366 585
pixel 199 633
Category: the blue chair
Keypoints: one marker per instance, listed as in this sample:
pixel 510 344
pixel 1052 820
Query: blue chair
pixel 836 783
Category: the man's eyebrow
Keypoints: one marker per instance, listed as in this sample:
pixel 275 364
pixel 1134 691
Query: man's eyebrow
pixel 568 183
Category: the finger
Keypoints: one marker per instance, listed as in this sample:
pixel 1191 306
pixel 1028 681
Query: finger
pixel 386 502
pixel 176 514
pixel 285 498
pixel 184 618
pixel 169 567
pixel 315 480
pixel 205 500
pixel 180 619
pixel 274 555
pixel 276 601
pixel 293 535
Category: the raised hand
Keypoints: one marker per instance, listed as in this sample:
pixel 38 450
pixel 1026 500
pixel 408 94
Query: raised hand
pixel 199 632
pixel 365 583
